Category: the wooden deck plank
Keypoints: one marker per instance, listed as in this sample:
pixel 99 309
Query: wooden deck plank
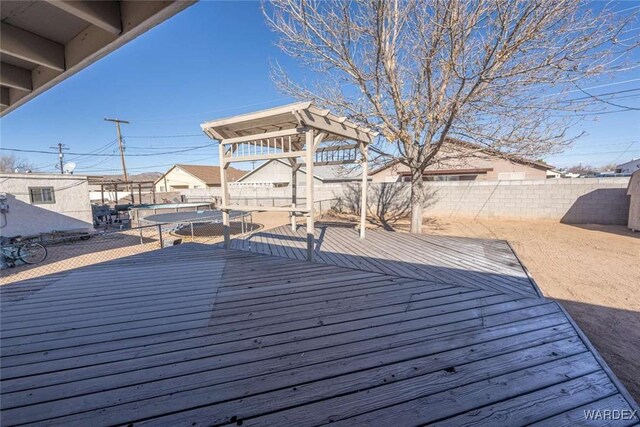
pixel 577 416
pixel 468 262
pixel 206 335
pixel 145 389
pixel 223 343
pixel 252 400
pixel 421 406
pixel 538 405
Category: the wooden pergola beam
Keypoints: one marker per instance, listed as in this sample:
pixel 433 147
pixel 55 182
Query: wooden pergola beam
pixel 258 157
pixel 259 136
pixel 256 208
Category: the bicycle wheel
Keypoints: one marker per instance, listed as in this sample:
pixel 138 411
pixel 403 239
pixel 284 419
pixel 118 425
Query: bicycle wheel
pixel 32 253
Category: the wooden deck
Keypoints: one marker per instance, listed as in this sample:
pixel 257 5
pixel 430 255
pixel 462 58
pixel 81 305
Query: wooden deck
pixel 477 263
pixel 197 335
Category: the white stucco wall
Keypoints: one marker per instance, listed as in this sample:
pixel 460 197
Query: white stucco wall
pixel 180 178
pixel 71 210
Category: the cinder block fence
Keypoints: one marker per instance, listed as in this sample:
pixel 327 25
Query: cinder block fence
pixel 571 201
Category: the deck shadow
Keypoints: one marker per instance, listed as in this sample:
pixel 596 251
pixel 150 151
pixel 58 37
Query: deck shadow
pixel 479 263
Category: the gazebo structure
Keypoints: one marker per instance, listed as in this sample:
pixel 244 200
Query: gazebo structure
pixel 293 131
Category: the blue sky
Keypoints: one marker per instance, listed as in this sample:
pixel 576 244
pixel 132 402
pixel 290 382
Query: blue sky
pixel 213 60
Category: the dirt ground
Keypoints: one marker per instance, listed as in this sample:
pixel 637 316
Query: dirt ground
pixel 592 270
pixel 118 244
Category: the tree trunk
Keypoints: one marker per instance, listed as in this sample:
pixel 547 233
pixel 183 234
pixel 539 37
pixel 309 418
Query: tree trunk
pixel 417 200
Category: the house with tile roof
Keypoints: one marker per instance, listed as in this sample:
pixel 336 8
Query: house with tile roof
pixel 182 177
pixel 464 161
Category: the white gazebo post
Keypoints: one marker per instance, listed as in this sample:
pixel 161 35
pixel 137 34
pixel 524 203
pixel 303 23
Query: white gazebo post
pixel 310 157
pixel 364 150
pixel 295 167
pixel 225 196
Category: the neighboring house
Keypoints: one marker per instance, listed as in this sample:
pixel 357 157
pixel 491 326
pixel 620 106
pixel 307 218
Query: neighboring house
pixel 277 173
pixel 42 203
pixel 629 167
pixel 552 173
pixel 463 161
pixel 182 177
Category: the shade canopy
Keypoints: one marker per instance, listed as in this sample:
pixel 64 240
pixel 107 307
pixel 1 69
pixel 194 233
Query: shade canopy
pixel 291 132
pixel 291 116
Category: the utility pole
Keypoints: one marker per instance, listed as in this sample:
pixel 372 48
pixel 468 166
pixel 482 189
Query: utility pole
pixel 124 165
pixel 60 147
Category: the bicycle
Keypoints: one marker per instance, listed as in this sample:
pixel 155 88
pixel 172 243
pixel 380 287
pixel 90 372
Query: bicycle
pixel 13 250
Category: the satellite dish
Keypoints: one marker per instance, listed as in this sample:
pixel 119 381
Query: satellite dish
pixel 69 167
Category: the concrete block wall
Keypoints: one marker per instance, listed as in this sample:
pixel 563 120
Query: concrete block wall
pixel 573 201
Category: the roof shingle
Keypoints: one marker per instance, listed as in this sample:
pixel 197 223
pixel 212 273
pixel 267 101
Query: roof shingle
pixel 210 175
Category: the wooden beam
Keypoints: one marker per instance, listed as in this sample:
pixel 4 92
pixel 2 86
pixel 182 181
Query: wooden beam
pixel 333 127
pixel 283 155
pixel 256 115
pixel 363 202
pixel 295 167
pixel 15 77
pixel 102 14
pixel 335 162
pixel 31 48
pixel 254 208
pixel 259 136
pixel 87 47
pixel 318 139
pixel 4 97
pixel 225 197
pixel 310 156
pixel 337 148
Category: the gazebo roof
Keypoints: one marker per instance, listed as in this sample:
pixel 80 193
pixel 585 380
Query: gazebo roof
pixel 291 116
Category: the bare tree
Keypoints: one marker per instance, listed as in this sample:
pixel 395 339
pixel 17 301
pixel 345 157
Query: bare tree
pixel 582 169
pixel 10 163
pixel 495 72
pixel 609 167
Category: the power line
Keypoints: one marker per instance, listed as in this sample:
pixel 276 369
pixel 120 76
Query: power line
pixel 157 166
pixel 165 136
pixel 101 149
pixel 601 94
pixel 597 98
pixel 108 155
pixel 595 153
pixel 625 150
pixel 593 87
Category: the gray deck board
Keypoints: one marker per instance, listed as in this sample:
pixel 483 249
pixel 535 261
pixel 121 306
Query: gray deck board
pixel 480 263
pixel 197 335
